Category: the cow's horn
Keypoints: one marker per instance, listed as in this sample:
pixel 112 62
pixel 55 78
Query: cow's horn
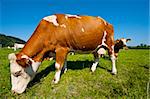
pixel 12 56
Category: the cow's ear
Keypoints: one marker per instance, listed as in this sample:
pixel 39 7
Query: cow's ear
pixel 117 41
pixel 128 40
pixel 24 62
pixel 12 56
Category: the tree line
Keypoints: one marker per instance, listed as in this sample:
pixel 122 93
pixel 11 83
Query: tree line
pixel 6 41
pixel 141 46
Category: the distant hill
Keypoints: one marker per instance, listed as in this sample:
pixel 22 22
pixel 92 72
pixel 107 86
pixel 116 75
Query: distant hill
pixel 9 40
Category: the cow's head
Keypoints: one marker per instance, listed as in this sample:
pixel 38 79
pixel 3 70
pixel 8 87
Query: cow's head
pixel 121 42
pixel 22 71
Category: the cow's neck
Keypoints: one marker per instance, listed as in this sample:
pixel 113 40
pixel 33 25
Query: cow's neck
pixel 33 47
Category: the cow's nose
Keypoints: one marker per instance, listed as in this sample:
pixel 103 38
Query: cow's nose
pixel 13 92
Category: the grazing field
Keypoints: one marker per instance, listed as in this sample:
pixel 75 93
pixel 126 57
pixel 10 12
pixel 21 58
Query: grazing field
pixel 78 82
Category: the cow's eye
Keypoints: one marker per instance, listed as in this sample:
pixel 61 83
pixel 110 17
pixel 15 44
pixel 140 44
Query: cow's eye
pixel 18 73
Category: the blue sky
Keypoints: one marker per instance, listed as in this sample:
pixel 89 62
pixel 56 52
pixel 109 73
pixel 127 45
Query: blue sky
pixel 19 18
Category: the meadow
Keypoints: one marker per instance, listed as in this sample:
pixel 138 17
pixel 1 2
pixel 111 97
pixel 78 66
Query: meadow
pixel 132 80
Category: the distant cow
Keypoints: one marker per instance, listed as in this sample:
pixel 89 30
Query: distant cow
pixel 17 46
pixel 61 34
pixel 120 44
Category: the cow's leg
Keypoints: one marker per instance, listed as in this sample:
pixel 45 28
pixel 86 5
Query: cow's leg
pixel 61 54
pixel 65 67
pixel 93 68
pixel 97 56
pixel 113 59
pixel 96 60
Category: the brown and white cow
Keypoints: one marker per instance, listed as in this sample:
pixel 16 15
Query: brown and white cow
pixel 120 44
pixel 61 33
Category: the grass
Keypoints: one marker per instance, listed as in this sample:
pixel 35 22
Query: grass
pixel 130 82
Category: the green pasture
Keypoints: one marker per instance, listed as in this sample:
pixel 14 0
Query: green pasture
pixel 131 82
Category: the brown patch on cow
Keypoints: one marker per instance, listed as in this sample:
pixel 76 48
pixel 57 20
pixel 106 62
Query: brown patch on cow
pixel 24 62
pixel 118 45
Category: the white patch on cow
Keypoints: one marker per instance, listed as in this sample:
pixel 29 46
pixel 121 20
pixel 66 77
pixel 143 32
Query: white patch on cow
pixel 63 25
pixel 112 47
pixel 104 39
pixel 35 66
pixel 124 41
pixel 83 46
pixel 69 15
pixel 25 56
pixel 66 17
pixel 82 29
pixel 52 19
pixel 57 65
pixel 19 83
pixel 101 51
pixel 14 68
pixel 12 57
pixel 93 68
pixel 102 19
pixel 57 76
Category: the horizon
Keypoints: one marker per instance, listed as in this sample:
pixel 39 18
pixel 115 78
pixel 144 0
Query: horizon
pixel 129 17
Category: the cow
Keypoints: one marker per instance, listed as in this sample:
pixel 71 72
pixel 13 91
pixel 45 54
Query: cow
pixel 17 46
pixel 120 44
pixel 61 34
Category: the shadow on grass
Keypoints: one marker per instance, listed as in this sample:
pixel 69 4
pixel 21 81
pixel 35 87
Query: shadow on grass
pixel 105 68
pixel 145 66
pixel 74 65
pixel 42 74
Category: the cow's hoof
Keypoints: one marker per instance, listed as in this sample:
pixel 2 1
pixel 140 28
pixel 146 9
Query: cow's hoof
pixel 54 81
pixel 92 73
pixel 65 70
pixel 92 70
pixel 14 93
pixel 113 73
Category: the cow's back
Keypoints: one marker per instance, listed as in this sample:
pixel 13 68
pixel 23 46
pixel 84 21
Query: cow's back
pixel 74 32
pixel 79 33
